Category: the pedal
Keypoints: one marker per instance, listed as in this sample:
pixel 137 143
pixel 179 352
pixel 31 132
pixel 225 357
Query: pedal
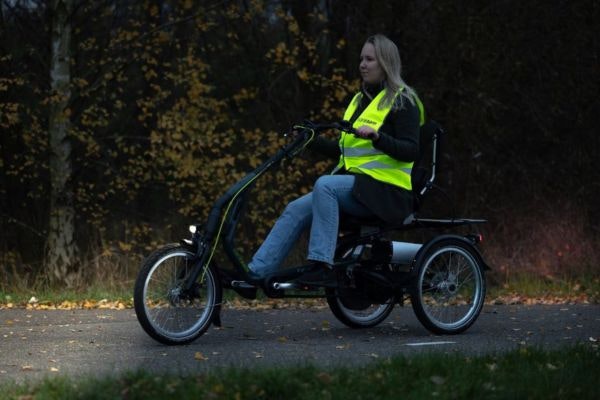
pixel 244 289
pixel 283 285
pixel 242 285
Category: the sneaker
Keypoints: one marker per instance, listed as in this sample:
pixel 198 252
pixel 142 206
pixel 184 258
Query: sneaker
pixel 321 275
pixel 254 278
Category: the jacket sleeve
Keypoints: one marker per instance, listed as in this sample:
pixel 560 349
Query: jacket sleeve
pixel 399 135
pixel 326 147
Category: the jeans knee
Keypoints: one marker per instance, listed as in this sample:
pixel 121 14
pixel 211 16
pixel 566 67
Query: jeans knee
pixel 296 209
pixel 322 184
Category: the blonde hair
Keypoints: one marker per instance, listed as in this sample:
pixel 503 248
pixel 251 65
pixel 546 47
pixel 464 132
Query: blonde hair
pixel 388 56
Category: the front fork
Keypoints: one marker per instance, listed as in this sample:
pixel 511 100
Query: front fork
pixel 201 249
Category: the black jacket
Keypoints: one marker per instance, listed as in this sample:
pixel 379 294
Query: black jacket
pixel 399 138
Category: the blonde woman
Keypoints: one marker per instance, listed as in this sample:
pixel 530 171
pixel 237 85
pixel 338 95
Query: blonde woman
pixel 372 178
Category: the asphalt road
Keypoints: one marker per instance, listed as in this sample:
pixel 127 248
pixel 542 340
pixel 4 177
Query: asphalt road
pixel 36 344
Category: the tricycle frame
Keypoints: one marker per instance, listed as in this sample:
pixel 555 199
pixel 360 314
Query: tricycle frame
pixel 385 282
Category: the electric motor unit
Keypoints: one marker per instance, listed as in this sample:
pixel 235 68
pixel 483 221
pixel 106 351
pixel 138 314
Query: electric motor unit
pixel 394 252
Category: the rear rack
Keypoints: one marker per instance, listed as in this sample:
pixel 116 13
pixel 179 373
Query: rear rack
pixel 411 221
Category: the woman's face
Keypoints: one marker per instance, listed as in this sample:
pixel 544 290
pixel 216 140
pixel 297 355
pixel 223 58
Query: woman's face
pixel 370 70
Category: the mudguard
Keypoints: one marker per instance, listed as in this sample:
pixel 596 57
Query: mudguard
pixel 466 239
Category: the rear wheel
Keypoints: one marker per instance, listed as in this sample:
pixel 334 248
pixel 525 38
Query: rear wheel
pixel 357 312
pixel 168 311
pixel 450 287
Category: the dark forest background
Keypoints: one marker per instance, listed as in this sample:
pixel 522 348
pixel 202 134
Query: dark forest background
pixel 122 121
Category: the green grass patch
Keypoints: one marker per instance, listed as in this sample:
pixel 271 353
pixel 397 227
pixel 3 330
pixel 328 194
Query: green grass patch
pixel 583 288
pixel 525 373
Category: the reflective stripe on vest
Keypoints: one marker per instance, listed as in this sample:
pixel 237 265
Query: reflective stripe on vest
pixel 359 155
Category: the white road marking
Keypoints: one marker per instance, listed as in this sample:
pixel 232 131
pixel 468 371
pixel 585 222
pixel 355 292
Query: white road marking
pixel 428 343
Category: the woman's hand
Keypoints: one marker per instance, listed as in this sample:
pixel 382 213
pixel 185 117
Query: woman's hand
pixel 366 132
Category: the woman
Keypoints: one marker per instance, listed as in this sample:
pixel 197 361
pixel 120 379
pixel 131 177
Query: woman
pixel 373 173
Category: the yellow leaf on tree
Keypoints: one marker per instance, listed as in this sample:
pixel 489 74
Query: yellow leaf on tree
pixel 125 246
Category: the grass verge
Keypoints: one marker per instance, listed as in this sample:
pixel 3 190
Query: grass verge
pixel 521 289
pixel 527 288
pixel 525 373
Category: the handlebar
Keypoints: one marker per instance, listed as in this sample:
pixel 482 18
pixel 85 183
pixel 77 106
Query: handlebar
pixel 341 125
pixel 308 130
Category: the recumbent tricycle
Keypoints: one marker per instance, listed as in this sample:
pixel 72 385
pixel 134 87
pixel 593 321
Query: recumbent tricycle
pixel 178 292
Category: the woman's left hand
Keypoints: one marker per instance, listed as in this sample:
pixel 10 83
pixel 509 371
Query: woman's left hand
pixel 366 132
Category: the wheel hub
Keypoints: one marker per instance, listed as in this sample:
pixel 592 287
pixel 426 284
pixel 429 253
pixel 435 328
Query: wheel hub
pixel 174 296
pixel 447 284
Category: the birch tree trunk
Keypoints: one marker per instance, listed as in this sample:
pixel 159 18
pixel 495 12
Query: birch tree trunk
pixel 61 247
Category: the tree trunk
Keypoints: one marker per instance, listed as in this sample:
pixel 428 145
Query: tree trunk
pixel 61 247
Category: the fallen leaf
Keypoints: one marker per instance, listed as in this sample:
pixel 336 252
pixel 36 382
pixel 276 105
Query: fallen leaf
pixel 246 336
pixel 324 377
pixel 200 357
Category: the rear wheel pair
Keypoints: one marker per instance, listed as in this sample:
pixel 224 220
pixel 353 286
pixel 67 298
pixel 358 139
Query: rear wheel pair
pixel 447 294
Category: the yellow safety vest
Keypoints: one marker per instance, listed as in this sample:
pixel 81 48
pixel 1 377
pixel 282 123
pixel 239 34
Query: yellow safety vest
pixel 360 156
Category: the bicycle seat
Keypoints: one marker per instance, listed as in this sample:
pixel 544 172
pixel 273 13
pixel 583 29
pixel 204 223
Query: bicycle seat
pixel 352 223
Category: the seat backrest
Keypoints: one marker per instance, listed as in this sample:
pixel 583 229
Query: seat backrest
pixel 422 175
pixel 428 161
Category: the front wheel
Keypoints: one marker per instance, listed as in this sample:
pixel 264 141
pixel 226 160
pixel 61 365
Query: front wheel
pixel 167 310
pixel 450 287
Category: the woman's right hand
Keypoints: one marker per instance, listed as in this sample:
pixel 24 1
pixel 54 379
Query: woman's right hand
pixel 366 132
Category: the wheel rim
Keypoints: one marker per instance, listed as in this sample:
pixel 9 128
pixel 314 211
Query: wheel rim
pixel 366 316
pixel 170 310
pixel 451 288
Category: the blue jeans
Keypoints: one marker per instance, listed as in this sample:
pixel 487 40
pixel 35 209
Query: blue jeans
pixel 319 210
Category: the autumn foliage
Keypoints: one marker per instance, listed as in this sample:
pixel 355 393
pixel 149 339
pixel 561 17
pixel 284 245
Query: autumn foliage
pixel 172 101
